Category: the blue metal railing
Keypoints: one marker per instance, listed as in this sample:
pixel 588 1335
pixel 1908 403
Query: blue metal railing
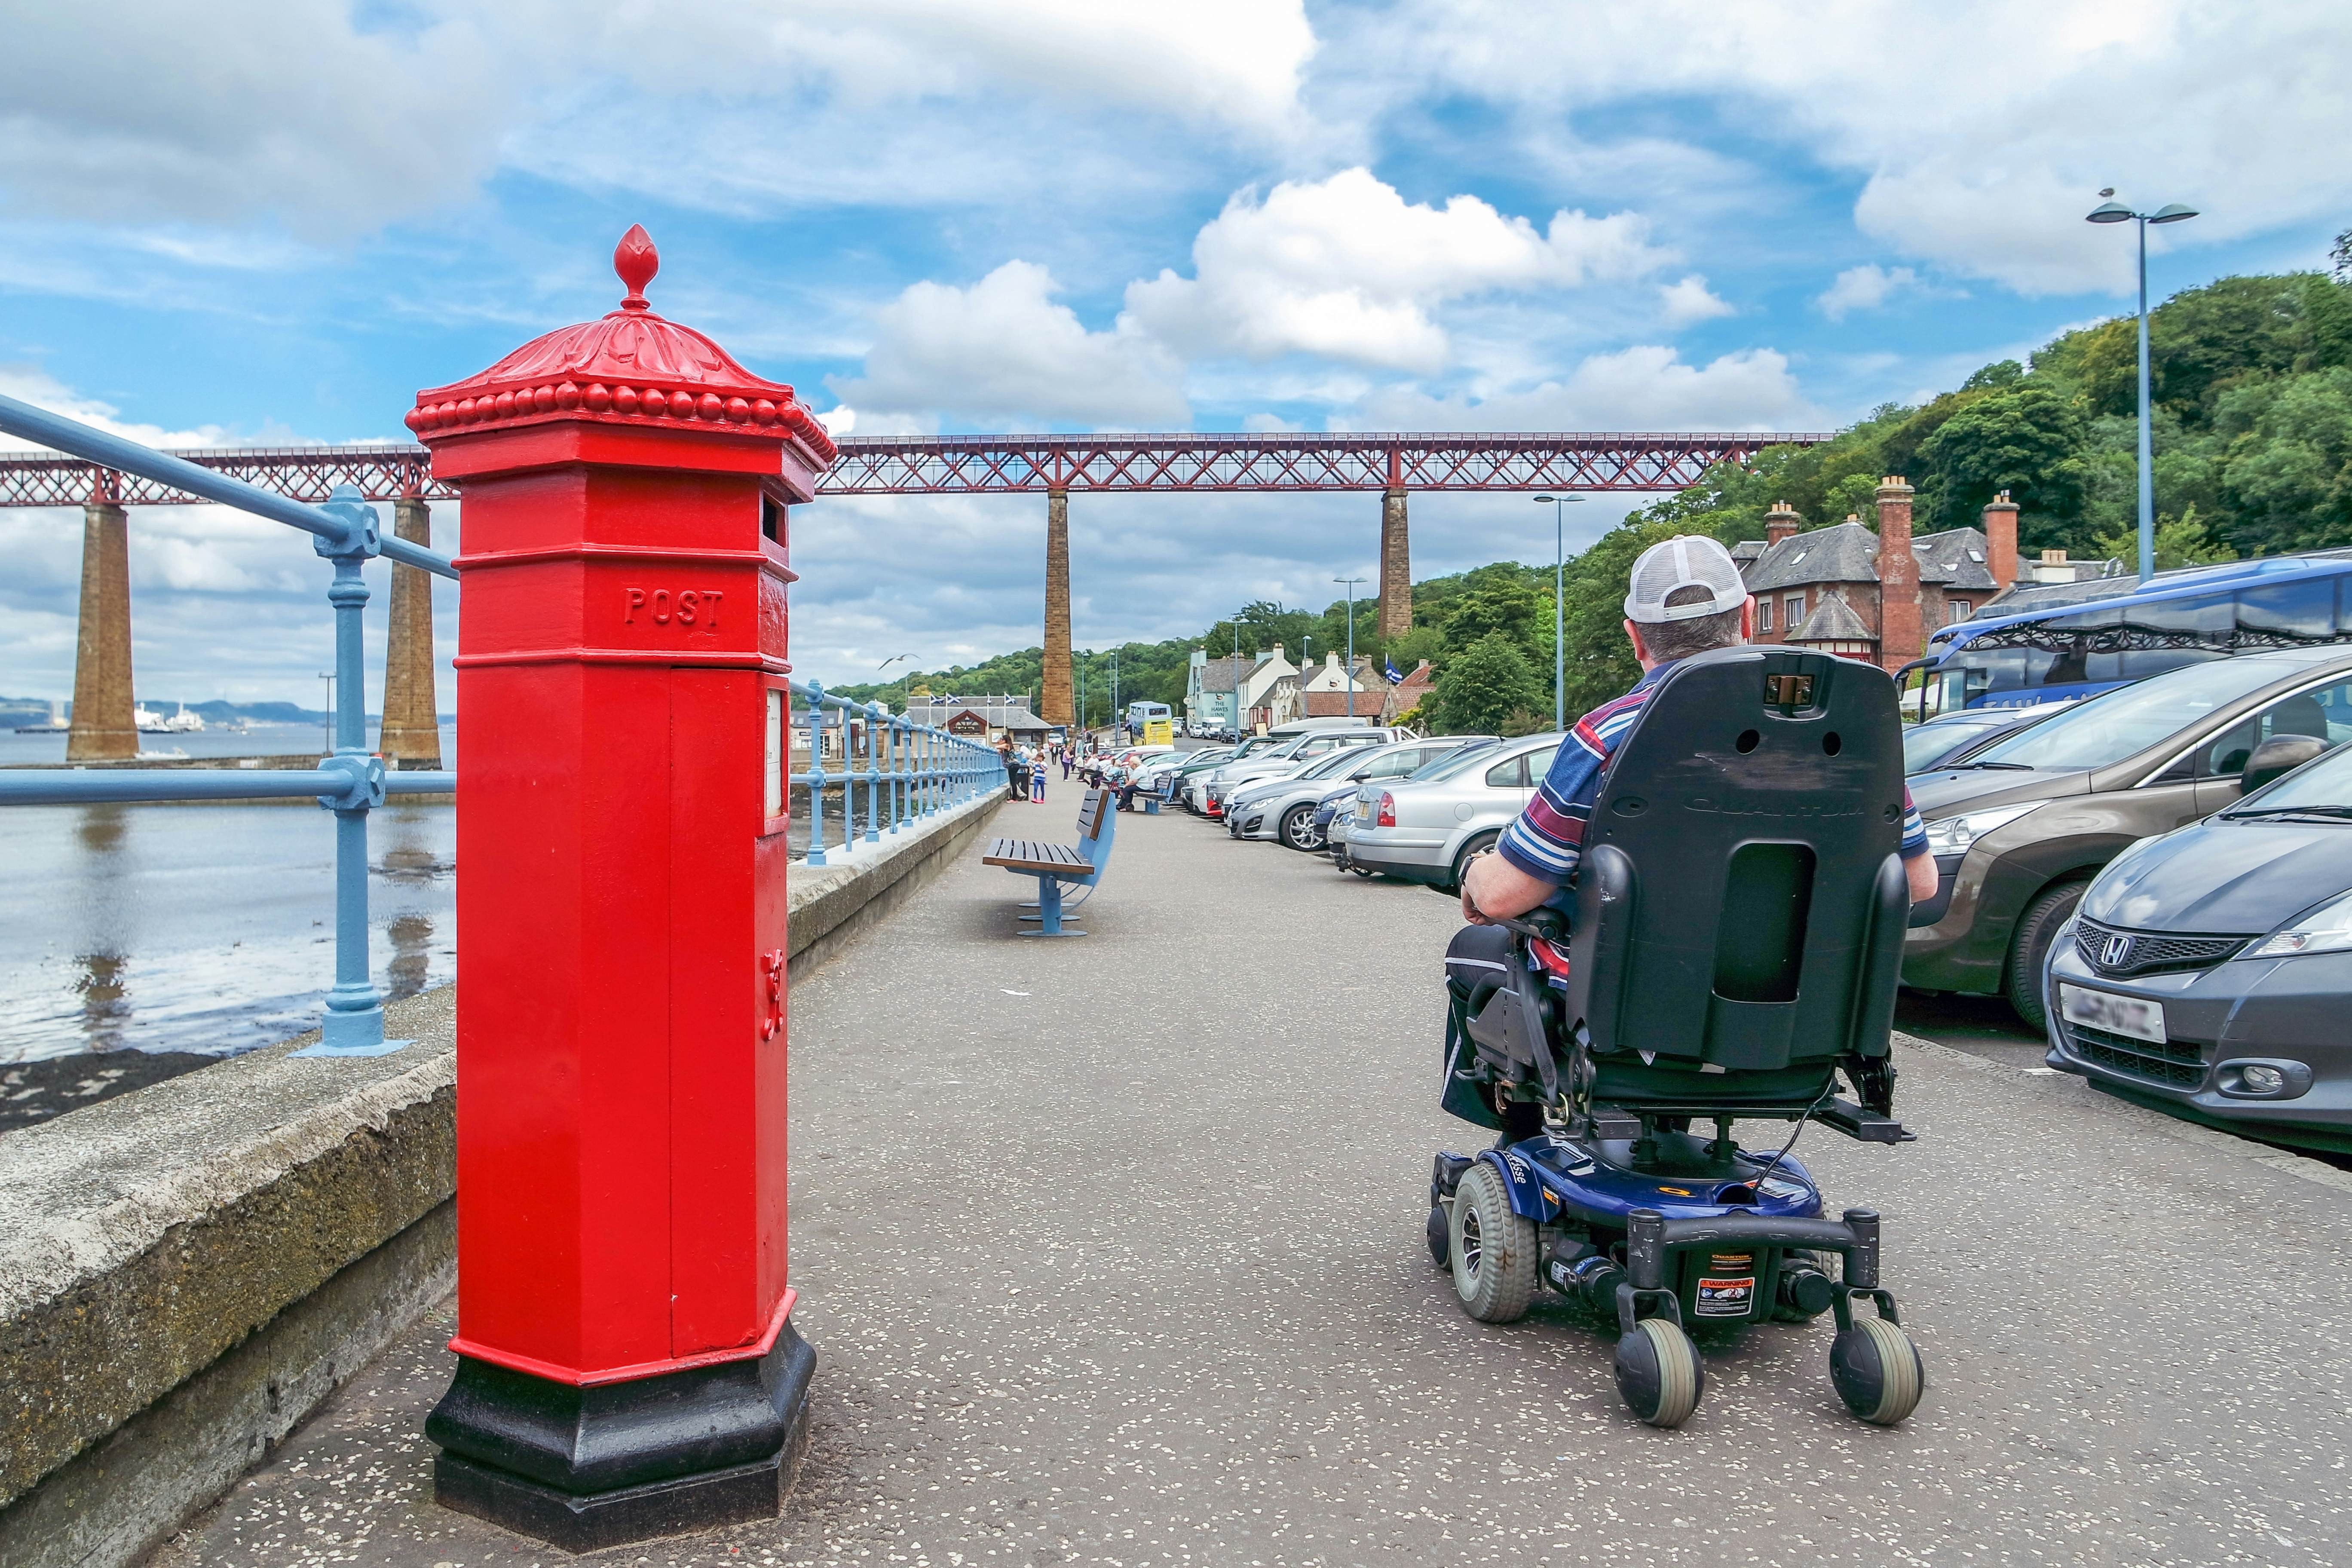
pixel 925 771
pixel 909 771
pixel 348 532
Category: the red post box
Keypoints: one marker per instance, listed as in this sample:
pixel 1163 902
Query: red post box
pixel 628 1363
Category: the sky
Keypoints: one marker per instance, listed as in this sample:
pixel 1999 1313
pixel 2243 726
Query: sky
pixel 272 221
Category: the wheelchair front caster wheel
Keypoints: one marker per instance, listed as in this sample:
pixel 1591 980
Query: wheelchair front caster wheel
pixel 1659 1372
pixel 1877 1371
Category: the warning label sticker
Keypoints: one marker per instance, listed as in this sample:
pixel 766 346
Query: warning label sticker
pixel 1726 1297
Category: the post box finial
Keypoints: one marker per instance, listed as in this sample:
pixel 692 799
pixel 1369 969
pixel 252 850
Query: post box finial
pixel 637 260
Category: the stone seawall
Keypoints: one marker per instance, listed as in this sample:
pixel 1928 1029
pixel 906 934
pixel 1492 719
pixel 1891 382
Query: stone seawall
pixel 187 1270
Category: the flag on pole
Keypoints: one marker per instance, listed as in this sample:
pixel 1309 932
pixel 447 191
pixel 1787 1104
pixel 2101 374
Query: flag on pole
pixel 1390 671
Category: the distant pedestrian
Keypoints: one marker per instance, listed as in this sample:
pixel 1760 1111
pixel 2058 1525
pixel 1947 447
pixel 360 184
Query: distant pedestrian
pixel 1037 784
pixel 1067 764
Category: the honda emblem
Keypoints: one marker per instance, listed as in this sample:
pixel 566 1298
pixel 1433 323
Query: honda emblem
pixel 2116 950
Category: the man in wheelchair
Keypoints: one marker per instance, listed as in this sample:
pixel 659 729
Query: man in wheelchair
pixel 1698 918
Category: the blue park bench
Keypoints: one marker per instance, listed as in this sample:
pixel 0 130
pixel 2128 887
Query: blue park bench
pixel 1053 864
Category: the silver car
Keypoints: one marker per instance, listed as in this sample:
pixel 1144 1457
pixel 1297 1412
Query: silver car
pixel 1292 753
pixel 1284 808
pixel 1425 830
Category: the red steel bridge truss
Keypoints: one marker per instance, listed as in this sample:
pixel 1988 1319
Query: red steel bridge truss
pixel 1018 465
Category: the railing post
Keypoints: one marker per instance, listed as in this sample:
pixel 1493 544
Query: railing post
pixel 816 774
pixel 873 776
pixel 353 1025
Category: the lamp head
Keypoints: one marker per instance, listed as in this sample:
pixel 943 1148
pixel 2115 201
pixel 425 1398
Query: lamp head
pixel 2110 212
pixel 2171 214
pixel 1544 501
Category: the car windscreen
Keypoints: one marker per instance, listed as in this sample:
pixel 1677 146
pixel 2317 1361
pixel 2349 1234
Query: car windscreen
pixel 2120 723
pixel 1324 767
pixel 2326 782
pixel 1926 744
pixel 1252 747
pixel 1446 763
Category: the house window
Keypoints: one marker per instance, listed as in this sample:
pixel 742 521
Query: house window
pixel 1793 611
pixel 1763 615
pixel 1960 610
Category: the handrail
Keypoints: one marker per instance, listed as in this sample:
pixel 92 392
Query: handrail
pixel 925 770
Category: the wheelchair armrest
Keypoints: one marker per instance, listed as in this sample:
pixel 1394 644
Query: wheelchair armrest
pixel 1605 893
pixel 1882 965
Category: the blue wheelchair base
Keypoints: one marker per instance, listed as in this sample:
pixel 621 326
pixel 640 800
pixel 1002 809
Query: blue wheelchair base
pixel 1663 1232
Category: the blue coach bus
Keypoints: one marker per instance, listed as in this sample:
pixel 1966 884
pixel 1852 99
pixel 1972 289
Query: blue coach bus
pixel 2093 642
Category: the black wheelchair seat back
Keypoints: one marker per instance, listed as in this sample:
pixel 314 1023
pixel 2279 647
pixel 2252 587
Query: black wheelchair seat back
pixel 1740 906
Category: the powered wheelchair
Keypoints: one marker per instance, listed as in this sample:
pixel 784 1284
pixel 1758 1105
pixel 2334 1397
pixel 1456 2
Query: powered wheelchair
pixel 1737 937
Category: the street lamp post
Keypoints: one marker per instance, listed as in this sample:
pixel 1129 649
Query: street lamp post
pixel 1306 653
pixel 2115 212
pixel 1352 582
pixel 1559 610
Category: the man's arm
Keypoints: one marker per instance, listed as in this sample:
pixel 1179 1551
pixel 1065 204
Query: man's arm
pixel 1495 889
pixel 1918 865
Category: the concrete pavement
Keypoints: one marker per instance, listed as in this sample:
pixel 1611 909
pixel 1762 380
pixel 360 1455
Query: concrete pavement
pixel 1111 1250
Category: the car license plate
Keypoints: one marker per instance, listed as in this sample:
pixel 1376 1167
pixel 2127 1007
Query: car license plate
pixel 1364 811
pixel 2133 1015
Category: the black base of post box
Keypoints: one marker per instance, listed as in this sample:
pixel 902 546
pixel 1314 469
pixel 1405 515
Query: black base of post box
pixel 585 1469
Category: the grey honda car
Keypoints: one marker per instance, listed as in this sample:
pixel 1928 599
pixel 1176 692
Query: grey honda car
pixel 2208 972
pixel 2019 829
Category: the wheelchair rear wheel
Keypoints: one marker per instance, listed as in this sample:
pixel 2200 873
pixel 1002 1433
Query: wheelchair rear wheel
pixel 1659 1372
pixel 1494 1250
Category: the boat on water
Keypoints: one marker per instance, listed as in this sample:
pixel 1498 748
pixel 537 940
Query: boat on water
pixel 183 723
pixel 56 726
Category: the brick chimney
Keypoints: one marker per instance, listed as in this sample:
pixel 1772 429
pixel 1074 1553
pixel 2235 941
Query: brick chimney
pixel 1899 633
pixel 1780 523
pixel 2001 540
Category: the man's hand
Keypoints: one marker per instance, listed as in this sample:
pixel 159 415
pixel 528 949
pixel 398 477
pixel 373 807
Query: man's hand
pixel 1495 889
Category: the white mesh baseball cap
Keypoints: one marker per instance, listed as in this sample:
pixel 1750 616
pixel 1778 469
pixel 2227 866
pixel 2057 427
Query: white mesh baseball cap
pixel 1687 560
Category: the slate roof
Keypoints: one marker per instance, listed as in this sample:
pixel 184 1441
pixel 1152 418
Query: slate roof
pixel 1217 675
pixel 1956 558
pixel 1001 713
pixel 1833 620
pixel 1841 552
pixel 1746 550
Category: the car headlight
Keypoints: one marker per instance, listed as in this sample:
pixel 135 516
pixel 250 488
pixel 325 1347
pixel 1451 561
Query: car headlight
pixel 2328 928
pixel 1953 834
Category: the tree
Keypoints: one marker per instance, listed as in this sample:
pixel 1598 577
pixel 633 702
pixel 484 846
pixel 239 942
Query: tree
pixel 1481 686
pixel 2026 438
pixel 2179 542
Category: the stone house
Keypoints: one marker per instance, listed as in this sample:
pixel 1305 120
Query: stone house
pixel 1849 589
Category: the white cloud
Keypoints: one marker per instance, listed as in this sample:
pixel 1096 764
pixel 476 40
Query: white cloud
pixel 284 109
pixel 1863 288
pixel 1980 132
pixel 1345 267
pixel 42 390
pixel 1003 350
pixel 1691 300
pixel 1645 387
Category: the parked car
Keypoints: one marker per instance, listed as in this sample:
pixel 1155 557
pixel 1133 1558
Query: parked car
pixel 1336 811
pixel 2208 972
pixel 1284 808
pixel 2020 828
pixel 1292 746
pixel 1954 737
pixel 1426 828
pixel 1161 769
